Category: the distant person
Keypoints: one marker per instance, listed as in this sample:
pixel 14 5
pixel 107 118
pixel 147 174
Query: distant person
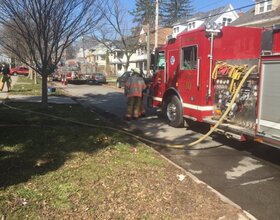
pixel 63 79
pixel 6 78
pixel 134 87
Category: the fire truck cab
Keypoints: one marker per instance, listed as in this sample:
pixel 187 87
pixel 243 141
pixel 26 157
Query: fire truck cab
pixel 197 73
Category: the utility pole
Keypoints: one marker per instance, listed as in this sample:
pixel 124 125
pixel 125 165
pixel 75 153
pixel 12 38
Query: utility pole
pixel 156 25
pixel 148 50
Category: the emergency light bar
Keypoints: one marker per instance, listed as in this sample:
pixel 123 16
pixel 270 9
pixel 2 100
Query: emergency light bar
pixel 213 28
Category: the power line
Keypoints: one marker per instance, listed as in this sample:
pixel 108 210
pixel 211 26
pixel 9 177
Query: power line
pixel 201 18
pixel 213 3
pixel 210 16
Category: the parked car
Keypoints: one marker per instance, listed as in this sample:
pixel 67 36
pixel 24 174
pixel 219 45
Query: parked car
pixel 97 78
pixel 122 79
pixel 20 70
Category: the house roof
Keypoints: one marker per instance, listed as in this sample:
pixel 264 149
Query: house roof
pixel 162 34
pixel 260 20
pixel 208 17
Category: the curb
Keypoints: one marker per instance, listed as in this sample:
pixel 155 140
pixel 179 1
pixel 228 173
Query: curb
pixel 198 181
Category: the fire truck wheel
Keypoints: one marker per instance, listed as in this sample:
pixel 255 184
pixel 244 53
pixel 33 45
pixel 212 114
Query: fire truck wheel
pixel 173 112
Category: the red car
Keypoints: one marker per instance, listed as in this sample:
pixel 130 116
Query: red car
pixel 20 70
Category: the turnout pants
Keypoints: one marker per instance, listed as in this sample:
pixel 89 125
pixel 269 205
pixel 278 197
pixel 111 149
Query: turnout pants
pixel 134 107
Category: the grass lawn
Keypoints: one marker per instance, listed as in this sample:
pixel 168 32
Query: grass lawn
pixel 53 169
pixel 25 86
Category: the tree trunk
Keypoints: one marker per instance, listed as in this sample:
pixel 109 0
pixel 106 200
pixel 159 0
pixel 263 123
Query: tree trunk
pixel 127 63
pixel 30 70
pixel 35 77
pixel 44 102
pixel 30 74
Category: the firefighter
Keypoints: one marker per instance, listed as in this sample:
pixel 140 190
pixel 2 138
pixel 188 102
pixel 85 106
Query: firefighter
pixel 6 78
pixel 134 87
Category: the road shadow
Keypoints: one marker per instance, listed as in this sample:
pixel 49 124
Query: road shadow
pixel 112 107
pixel 258 150
pixel 154 126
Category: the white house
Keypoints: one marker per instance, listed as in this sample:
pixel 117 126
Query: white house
pixel 119 61
pixel 264 14
pixel 82 54
pixel 98 56
pixel 221 16
pixel 5 59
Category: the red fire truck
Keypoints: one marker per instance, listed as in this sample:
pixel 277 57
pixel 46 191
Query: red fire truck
pixel 197 74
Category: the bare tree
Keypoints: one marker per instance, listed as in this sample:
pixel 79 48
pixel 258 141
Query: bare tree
pixel 44 29
pixel 70 52
pixel 114 33
pixel 12 38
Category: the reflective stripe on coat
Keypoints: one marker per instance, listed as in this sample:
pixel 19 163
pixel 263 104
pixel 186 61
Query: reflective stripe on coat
pixel 134 86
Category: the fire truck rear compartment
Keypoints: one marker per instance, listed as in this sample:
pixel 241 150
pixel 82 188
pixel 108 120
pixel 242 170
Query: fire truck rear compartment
pixel 268 121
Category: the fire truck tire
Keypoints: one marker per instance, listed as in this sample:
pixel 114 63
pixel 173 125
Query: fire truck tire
pixel 173 112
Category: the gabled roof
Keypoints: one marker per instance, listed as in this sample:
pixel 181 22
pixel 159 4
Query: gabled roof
pixel 260 20
pixel 162 34
pixel 208 17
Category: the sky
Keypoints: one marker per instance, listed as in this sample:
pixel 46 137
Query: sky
pixel 200 5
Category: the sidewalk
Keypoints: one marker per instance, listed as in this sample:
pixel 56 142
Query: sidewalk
pixel 35 99
pixel 4 94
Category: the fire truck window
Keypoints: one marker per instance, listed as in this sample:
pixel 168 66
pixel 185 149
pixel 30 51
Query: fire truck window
pixel 161 61
pixel 189 58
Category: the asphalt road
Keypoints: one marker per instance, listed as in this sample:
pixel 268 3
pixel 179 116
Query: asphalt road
pixel 246 173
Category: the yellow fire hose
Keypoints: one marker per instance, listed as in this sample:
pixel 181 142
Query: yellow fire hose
pixel 228 109
pixel 178 146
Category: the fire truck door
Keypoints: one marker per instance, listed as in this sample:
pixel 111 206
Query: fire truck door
pixel 189 82
pixel 159 78
pixel 173 67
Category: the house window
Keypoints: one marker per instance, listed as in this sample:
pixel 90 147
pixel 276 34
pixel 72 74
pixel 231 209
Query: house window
pixel 120 55
pixel 189 58
pixel 119 66
pixel 265 6
pixel 261 7
pixel 176 30
pixel 269 5
pixel 226 21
